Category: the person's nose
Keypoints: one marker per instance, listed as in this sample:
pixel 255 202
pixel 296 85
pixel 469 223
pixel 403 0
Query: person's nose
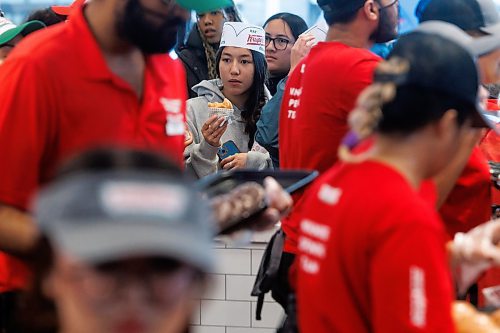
pixel 270 47
pixel 235 68
pixel 207 20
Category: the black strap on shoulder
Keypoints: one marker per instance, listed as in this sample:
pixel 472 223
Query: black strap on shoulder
pixel 268 270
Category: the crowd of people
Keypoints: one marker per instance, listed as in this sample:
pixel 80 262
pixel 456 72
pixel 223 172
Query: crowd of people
pixel 102 133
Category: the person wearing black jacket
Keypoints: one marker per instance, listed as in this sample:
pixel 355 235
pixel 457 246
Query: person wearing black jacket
pixel 198 51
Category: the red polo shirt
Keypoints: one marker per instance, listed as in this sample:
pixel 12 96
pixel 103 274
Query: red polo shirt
pixel 318 98
pixel 59 98
pixel 371 256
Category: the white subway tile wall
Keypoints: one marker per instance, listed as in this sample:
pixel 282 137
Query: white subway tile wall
pixel 249 330
pixel 227 306
pixel 272 315
pixel 256 258
pixel 225 313
pixel 217 287
pixel 208 329
pixel 233 261
pixel 238 287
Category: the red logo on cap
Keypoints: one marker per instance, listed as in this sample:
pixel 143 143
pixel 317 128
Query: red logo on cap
pixel 255 40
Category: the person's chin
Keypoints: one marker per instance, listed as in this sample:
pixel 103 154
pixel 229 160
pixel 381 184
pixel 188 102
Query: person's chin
pixel 213 40
pixel 235 91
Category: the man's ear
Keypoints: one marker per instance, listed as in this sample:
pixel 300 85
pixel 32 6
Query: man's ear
pixel 371 10
pixel 447 124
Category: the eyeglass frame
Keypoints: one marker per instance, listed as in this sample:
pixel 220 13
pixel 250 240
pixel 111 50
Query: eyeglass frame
pixel 387 6
pixel 269 39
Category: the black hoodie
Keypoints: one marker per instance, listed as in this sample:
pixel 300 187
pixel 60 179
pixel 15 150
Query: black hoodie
pixel 192 55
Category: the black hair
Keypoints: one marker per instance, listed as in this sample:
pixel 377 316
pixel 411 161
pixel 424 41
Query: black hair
pixel 257 98
pixel 334 16
pixel 413 107
pixel 47 16
pixel 114 158
pixel 296 23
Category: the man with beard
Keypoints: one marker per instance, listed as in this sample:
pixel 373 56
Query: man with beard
pixel 322 91
pixel 104 78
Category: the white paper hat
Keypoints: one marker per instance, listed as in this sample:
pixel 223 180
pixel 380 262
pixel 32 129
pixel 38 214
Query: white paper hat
pixel 243 35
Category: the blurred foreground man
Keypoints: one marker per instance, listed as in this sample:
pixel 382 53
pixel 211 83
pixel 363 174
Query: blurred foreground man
pixel 130 245
pixel 104 78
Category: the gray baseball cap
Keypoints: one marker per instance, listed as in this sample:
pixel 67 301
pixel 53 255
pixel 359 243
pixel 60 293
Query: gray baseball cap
pixel 466 14
pixel 106 216
pixel 478 46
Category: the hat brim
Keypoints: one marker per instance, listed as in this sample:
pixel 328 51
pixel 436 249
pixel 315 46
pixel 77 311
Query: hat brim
pixel 484 119
pixel 23 30
pixel 62 10
pixel 483 45
pixel 106 241
pixel 203 6
pixel 492 29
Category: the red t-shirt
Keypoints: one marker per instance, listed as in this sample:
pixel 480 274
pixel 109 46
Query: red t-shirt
pixel 318 98
pixel 469 202
pixel 490 146
pixel 371 256
pixel 59 98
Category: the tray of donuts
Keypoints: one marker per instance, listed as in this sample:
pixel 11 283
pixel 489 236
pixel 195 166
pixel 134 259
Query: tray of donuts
pixel 238 196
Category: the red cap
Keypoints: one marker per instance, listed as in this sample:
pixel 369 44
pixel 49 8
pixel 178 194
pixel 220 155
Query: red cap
pixel 66 10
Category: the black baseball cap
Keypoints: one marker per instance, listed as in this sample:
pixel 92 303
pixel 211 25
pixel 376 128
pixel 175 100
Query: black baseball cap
pixel 468 15
pixel 439 64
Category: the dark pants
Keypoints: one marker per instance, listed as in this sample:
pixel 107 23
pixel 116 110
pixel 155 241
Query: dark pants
pixel 8 311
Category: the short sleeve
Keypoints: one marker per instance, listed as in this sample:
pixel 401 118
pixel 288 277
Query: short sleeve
pixel 27 128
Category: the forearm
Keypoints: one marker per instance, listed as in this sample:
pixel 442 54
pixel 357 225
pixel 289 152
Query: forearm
pixel 18 231
pixel 258 160
pixel 203 159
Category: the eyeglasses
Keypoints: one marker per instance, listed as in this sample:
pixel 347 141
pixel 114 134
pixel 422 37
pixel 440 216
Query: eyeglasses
pixel 280 43
pixel 163 284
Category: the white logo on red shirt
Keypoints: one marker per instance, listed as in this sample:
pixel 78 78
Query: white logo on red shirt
pixel 329 195
pixel 294 103
pixel 171 105
pixel 308 265
pixel 312 245
pixel 418 299
pixel 314 229
pixel 175 119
